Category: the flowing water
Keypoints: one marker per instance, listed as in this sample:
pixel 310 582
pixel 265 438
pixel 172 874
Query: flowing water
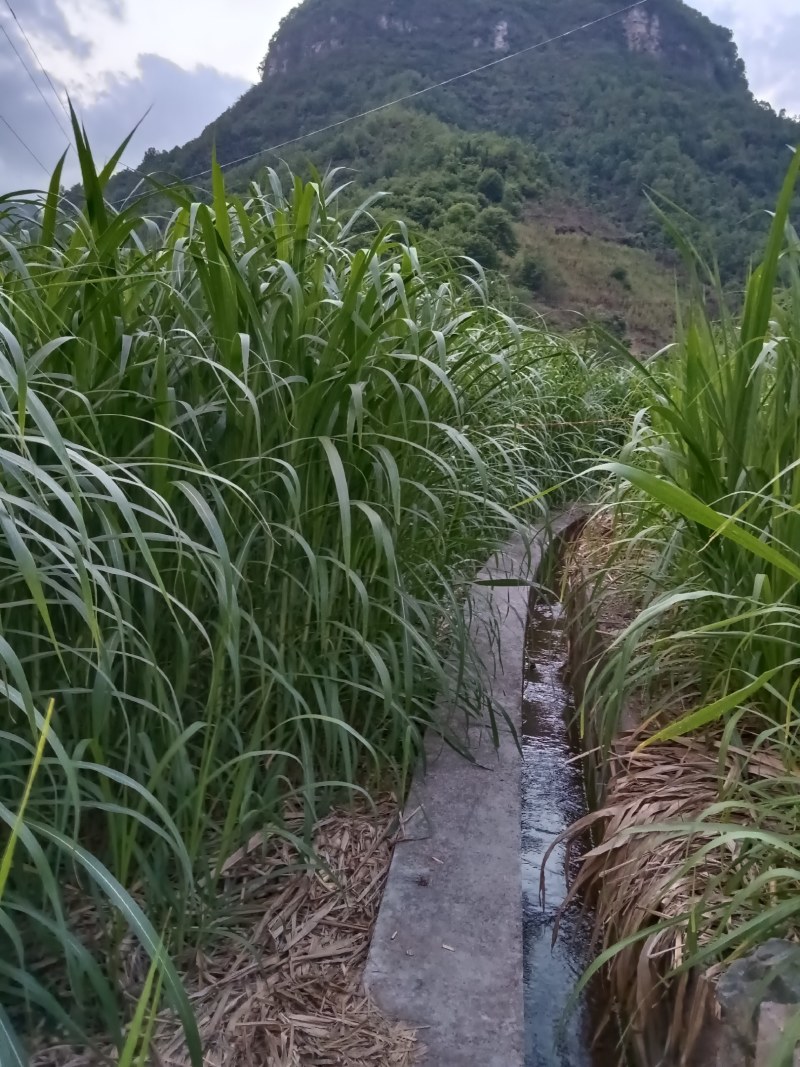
pixel 553 797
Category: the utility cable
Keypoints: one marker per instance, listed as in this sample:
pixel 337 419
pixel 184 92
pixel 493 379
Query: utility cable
pixel 26 146
pixel 427 89
pixel 35 54
pixel 36 85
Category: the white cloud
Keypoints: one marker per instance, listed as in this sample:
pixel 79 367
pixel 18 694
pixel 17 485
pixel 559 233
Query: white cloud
pixel 229 35
pixel 103 53
pixel 753 17
pixel 767 33
pixel 181 102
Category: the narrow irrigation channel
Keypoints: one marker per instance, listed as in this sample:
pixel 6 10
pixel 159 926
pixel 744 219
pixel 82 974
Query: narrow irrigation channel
pixel 553 797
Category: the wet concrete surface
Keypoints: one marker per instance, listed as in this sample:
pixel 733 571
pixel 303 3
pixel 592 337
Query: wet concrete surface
pixel 447 952
pixel 446 955
pixel 557 1033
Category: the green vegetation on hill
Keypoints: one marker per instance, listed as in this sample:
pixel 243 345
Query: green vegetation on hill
pixel 493 199
pixel 654 99
pixel 465 191
pixel 573 269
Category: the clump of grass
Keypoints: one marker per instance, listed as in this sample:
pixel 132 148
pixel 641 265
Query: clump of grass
pixel 706 505
pixel 716 460
pixel 249 452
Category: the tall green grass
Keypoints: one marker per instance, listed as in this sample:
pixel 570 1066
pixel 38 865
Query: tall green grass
pixel 707 506
pixel 249 453
pixel 714 499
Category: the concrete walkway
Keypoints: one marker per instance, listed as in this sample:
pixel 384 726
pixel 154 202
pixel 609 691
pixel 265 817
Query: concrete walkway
pixel 447 951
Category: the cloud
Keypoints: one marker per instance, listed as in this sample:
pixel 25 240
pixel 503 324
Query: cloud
pixel 45 19
pixel 768 36
pixel 24 112
pixel 772 64
pixel 181 102
pixel 175 104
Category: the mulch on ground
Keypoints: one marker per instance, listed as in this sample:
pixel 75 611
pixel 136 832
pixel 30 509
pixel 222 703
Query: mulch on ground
pixel 288 991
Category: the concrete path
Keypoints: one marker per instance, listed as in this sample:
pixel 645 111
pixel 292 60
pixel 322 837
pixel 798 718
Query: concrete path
pixel 447 951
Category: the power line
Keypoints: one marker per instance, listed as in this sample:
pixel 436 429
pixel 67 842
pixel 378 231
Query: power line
pixel 427 89
pixel 26 146
pixel 36 85
pixel 35 54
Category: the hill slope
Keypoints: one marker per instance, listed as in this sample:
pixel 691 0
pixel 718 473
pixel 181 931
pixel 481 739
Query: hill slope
pixel 654 98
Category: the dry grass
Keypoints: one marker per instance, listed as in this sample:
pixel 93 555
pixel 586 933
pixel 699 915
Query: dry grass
pixel 581 250
pixel 635 880
pixel 643 880
pixel 601 599
pixel 287 991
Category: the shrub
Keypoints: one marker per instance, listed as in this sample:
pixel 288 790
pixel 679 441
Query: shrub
pixel 496 225
pixel 530 272
pixel 491 184
pixel 478 246
pixel 423 209
pixel 620 274
pixel 461 214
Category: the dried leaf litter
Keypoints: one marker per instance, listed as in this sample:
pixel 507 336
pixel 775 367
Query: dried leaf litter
pixel 288 991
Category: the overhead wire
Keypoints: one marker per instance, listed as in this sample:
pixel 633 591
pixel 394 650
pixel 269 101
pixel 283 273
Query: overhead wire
pixel 36 85
pixel 26 146
pixel 35 55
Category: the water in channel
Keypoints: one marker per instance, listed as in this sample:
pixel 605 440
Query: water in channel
pixel 553 797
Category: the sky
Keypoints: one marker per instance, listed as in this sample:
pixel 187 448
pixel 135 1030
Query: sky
pixel 177 64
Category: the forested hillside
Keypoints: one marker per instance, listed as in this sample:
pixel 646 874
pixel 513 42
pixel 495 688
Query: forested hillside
pixel 496 199
pixel 654 98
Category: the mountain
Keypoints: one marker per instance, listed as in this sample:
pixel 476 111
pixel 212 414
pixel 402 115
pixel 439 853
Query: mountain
pixel 654 98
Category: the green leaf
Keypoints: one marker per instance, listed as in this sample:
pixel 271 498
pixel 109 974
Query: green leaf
pixel 687 505
pixel 712 712
pixel 221 217
pixel 11 1052
pixel 8 852
pixel 143 929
